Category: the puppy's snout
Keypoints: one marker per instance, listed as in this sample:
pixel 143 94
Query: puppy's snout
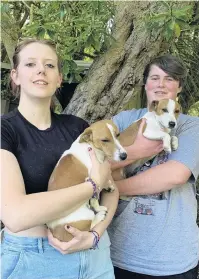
pixel 172 124
pixel 123 156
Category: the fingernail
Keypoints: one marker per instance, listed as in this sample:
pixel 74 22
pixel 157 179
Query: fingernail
pixel 89 149
pixel 68 227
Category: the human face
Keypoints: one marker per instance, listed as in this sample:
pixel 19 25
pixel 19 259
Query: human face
pixel 37 72
pixel 160 85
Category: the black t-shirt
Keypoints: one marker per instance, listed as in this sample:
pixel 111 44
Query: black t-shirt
pixel 38 151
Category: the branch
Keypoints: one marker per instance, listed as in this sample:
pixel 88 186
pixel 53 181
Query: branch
pixel 21 23
pixel 85 54
pixel 27 6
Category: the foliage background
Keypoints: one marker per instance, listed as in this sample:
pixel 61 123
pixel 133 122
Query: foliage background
pixel 83 30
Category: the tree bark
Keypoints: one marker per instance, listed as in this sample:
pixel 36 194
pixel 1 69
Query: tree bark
pixel 10 32
pixel 11 27
pixel 115 78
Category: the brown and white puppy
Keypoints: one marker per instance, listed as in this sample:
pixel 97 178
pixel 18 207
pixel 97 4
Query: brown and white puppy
pixel 160 120
pixel 73 168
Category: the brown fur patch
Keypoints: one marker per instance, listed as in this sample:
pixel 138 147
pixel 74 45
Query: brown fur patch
pixel 118 174
pixel 127 137
pixel 69 172
pixel 97 133
pixel 178 109
pixel 153 105
pixel 158 107
pixel 60 233
pixel 161 105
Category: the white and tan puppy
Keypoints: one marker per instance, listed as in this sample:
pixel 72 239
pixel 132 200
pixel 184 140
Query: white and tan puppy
pixel 73 168
pixel 160 120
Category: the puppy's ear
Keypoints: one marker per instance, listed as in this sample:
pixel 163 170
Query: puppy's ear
pixel 86 136
pixel 153 105
pixel 178 106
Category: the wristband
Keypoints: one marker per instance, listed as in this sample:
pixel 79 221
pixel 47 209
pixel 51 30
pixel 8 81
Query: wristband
pixel 96 189
pixel 96 239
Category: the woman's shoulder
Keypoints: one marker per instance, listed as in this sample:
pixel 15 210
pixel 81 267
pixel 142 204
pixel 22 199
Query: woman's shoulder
pixel 9 121
pixel 9 116
pixel 8 131
pixel 71 120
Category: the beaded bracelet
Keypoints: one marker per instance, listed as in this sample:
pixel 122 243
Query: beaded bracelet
pixel 96 189
pixel 95 240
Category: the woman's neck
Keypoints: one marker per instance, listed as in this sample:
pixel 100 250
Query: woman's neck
pixel 37 112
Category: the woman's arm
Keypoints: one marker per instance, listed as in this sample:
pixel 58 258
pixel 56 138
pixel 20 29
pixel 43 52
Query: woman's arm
pixel 83 240
pixel 110 200
pixel 155 180
pixel 21 211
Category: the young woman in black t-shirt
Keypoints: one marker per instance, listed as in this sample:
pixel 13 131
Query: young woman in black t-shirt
pixel 33 139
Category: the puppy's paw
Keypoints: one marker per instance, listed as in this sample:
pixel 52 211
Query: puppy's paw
pixel 167 146
pixel 94 204
pixel 125 198
pixel 167 149
pixel 100 216
pixel 110 188
pixel 101 208
pixel 174 143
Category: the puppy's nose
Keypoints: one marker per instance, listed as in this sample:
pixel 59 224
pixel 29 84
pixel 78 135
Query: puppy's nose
pixel 123 156
pixel 172 124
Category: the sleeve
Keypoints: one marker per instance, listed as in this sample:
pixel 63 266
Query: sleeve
pixel 188 148
pixel 82 125
pixel 7 137
pixel 78 125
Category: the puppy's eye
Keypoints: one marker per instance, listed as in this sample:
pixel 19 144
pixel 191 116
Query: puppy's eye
pixel 117 135
pixel 105 140
pixel 164 110
pixel 177 111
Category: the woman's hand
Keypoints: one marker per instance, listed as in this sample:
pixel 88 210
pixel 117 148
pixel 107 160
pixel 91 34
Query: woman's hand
pixel 100 172
pixel 82 240
pixel 143 147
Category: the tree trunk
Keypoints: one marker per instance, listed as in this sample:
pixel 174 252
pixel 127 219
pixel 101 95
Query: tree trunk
pixel 115 78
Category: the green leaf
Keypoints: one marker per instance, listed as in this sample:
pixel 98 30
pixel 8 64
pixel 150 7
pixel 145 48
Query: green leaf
pixel 41 32
pixel 71 78
pixel 159 16
pixel 183 24
pixel 96 42
pixel 5 8
pixel 171 24
pixel 50 33
pixel 62 12
pixel 89 41
pixel 65 67
pixel 168 33
pixel 183 13
pixel 78 78
pixel 165 3
pixel 73 65
pixel 177 30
